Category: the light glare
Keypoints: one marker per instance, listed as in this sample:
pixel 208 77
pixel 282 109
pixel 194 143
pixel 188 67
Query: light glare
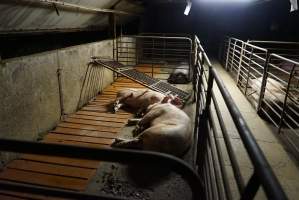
pixel 188 7
pixel 226 1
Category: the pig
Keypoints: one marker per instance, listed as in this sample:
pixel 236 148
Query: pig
pixel 272 85
pixel 181 75
pixel 288 66
pixel 164 128
pixel 141 98
pixel 274 97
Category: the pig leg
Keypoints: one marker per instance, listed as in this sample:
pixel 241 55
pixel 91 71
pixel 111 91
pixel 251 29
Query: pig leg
pixel 150 116
pixel 117 105
pixel 135 143
pixel 133 121
pixel 118 102
pixel 137 130
pixel 144 123
pixel 140 112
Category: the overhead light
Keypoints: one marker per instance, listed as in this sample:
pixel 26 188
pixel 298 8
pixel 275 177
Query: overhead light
pixel 294 5
pixel 227 1
pixel 188 7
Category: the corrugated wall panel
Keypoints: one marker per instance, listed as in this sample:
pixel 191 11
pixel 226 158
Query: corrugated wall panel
pixel 23 16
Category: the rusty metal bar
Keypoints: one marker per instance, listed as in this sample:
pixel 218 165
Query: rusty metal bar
pixel 76 6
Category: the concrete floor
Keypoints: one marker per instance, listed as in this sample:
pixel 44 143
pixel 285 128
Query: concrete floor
pixel 282 162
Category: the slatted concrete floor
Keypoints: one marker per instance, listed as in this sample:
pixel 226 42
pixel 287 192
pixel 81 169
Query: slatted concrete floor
pixel 92 126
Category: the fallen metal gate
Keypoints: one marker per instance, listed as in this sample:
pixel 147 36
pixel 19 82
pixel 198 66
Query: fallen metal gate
pixel 142 78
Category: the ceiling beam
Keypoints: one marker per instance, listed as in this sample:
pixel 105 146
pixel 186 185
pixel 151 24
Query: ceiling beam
pixel 76 6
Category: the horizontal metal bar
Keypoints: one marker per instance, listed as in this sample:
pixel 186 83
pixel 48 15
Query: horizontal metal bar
pixel 167 34
pixel 41 190
pixel 223 186
pixel 160 37
pixel 255 47
pixel 230 150
pixel 161 54
pixel 52 31
pixel 235 39
pixel 111 155
pixel 272 42
pixel 269 181
pixel 251 188
pixel 166 49
pixel 284 58
pixel 76 6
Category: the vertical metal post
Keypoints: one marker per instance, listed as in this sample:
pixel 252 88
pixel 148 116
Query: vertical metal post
pixel 112 31
pixel 60 86
pixel 264 82
pixel 195 71
pixel 251 188
pixel 240 62
pixel 197 81
pixel 248 71
pixel 153 57
pixel 233 56
pixel 209 89
pixel 228 51
pixel 135 50
pixel 285 99
pixel 196 124
pixel 203 128
pixel 191 61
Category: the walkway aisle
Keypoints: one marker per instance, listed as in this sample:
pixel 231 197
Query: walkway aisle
pixel 283 164
pixel 92 126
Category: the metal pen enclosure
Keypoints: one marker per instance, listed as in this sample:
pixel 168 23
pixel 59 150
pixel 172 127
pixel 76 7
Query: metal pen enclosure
pixel 207 175
pixel 268 74
pixel 155 51
pixel 211 132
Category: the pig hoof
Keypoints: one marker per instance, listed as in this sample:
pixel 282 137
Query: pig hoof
pixel 136 131
pixel 116 142
pixel 138 115
pixel 114 110
pixel 133 121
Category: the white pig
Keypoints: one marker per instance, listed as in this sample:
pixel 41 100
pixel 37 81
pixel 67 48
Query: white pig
pixel 288 66
pixel 274 97
pixel 141 98
pixel 164 128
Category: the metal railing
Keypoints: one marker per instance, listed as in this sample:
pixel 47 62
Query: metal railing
pixel 223 47
pixel 269 76
pixel 210 128
pixel 286 49
pixel 93 83
pixel 164 52
pixel 245 61
pixel 111 155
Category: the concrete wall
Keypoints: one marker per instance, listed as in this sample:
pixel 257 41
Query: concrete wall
pixel 29 88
